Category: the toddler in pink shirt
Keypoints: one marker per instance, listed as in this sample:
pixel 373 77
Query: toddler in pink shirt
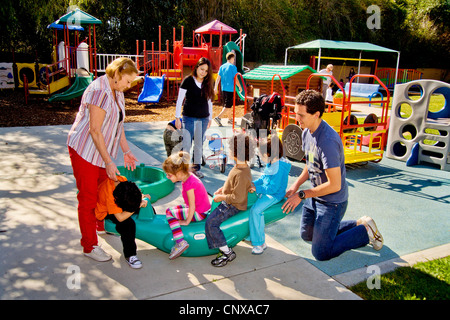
pixel 196 202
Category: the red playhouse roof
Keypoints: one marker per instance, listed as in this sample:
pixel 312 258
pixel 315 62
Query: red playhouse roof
pixel 214 28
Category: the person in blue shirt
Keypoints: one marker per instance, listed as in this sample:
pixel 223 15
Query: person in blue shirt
pixel 326 202
pixel 270 188
pixel 225 77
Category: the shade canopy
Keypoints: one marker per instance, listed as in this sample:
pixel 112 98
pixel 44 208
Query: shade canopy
pixel 214 28
pixel 343 45
pixel 54 25
pixel 78 17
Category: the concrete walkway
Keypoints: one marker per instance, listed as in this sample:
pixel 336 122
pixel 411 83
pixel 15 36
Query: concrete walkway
pixel 41 257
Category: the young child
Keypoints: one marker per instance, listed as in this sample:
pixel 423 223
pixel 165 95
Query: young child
pixel 195 198
pixel 329 94
pixel 172 137
pixel 233 198
pixel 270 188
pixel 117 201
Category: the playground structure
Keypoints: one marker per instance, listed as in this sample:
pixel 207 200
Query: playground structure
pixel 6 75
pixel 387 75
pixel 362 142
pixel 162 69
pixel 41 79
pixel 174 65
pixel 363 90
pixel 423 136
pixel 82 80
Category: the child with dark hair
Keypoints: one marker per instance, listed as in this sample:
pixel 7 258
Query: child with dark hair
pixel 118 201
pixel 232 197
pixel 270 188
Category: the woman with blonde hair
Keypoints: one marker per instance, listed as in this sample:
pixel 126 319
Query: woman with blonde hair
pixel 93 143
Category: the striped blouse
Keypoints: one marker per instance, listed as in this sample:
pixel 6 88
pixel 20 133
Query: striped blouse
pixel 99 94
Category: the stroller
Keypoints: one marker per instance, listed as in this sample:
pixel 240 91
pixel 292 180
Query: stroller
pixel 266 111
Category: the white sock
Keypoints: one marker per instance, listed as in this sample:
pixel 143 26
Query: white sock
pixel 225 249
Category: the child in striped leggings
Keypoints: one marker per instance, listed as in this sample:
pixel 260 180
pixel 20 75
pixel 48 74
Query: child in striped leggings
pixel 196 202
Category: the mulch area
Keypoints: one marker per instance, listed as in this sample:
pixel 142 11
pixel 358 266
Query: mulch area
pixel 39 112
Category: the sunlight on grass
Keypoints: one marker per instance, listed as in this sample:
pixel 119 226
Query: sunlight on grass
pixel 424 281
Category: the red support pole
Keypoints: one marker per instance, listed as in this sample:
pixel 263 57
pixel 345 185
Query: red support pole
pixel 145 58
pixel 153 59
pixel 182 34
pixel 174 36
pixel 159 58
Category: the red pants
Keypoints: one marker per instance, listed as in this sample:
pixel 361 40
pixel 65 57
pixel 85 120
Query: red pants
pixel 88 177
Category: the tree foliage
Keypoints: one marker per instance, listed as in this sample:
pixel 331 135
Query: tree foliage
pixel 418 28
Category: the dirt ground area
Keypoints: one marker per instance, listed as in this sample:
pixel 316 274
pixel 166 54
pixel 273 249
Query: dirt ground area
pixel 39 112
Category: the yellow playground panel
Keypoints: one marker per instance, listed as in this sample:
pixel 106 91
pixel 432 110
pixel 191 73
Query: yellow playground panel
pixel 360 145
pixel 54 86
pixel 362 140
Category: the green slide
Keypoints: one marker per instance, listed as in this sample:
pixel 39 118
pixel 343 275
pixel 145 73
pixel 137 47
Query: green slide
pixel 76 90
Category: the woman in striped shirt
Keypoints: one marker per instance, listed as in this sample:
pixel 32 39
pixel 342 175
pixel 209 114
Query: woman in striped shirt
pixel 94 140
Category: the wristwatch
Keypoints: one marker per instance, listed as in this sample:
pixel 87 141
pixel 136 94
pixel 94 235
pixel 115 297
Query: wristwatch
pixel 301 195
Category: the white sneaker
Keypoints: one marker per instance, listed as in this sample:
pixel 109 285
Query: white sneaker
pixel 98 254
pixel 375 237
pixel 259 249
pixel 134 262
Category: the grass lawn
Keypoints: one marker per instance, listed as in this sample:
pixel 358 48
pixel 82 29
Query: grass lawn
pixel 424 281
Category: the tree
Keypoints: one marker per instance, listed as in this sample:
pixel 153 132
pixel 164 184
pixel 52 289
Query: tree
pixel 417 28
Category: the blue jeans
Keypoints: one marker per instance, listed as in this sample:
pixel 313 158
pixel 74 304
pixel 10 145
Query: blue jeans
pixel 214 235
pixel 321 223
pixel 256 218
pixel 196 127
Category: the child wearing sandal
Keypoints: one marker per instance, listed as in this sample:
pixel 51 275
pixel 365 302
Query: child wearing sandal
pixel 118 201
pixel 232 197
pixel 270 188
pixel 196 202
